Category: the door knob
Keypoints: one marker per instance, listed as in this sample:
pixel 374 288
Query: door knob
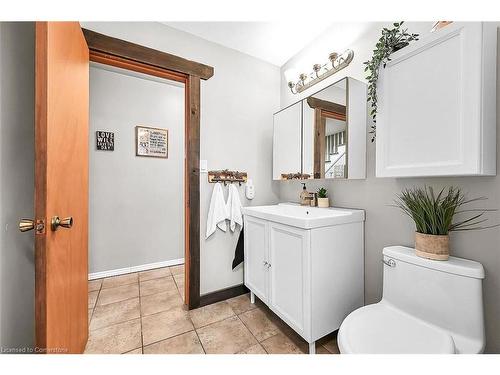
pixel 25 225
pixel 67 222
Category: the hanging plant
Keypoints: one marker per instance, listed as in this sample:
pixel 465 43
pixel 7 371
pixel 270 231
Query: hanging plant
pixel 391 41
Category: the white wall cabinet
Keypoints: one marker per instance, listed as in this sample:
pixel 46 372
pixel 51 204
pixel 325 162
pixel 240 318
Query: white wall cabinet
pixel 311 278
pixel 437 105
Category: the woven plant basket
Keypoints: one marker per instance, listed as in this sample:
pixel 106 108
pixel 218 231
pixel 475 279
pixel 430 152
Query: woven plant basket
pixel 431 246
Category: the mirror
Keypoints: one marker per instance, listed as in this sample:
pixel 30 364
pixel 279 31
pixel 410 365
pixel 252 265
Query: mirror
pixel 287 138
pixel 333 139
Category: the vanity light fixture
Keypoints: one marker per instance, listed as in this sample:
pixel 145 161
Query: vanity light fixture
pixel 321 71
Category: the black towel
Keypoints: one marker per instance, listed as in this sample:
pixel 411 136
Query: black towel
pixel 239 251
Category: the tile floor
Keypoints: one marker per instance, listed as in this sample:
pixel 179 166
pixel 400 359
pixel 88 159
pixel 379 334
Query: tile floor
pixel 144 313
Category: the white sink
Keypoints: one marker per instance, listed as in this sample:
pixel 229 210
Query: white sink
pixel 304 216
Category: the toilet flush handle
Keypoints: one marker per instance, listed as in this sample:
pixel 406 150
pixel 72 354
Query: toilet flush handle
pixel 390 262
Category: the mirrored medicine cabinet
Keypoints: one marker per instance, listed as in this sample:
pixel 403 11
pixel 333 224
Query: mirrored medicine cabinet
pixel 324 135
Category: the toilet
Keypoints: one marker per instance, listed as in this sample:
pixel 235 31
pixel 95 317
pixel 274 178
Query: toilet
pixel 427 306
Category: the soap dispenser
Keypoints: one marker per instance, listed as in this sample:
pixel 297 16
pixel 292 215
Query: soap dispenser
pixel 304 196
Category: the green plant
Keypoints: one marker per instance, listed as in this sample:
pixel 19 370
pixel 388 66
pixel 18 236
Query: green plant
pixel 391 40
pixel 433 214
pixel 322 193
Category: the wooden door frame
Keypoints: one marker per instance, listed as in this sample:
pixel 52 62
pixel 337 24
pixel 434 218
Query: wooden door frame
pixel 126 55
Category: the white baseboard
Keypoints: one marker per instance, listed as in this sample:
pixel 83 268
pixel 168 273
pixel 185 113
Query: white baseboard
pixel 143 267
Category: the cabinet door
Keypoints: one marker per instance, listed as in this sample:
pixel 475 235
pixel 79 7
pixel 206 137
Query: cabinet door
pixel 436 115
pixel 289 283
pixel 287 138
pixel 256 256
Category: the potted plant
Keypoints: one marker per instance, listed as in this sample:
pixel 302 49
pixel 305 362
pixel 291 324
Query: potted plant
pixel 389 42
pixel 433 216
pixel 323 200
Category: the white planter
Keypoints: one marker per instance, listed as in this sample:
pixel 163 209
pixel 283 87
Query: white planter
pixel 323 202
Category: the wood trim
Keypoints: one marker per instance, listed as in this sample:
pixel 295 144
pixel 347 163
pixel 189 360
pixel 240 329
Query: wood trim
pixel 107 59
pixel 41 36
pixel 319 144
pixel 192 183
pixel 192 157
pixel 333 115
pixel 224 294
pixel 326 105
pixel 137 53
pixel 320 116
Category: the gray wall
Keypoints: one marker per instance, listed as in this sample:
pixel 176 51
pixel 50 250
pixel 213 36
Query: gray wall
pixel 17 272
pixel 385 225
pixel 237 104
pixel 136 204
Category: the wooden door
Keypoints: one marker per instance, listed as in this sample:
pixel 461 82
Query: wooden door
pixel 61 186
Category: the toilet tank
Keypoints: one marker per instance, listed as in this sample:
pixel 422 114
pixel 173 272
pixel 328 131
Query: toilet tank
pixel 447 294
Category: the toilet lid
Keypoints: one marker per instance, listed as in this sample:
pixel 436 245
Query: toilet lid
pixel 381 328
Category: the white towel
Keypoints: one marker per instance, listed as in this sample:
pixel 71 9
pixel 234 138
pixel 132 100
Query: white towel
pixel 233 208
pixel 217 212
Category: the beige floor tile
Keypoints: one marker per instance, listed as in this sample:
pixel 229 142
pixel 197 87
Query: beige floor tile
pixel 177 270
pixel 93 298
pixel 179 280
pixel 280 344
pixel 158 302
pixel 320 349
pixel 255 349
pixel 259 324
pixel 119 338
pixel 226 337
pixel 113 282
pixel 182 293
pixel 286 330
pixel 187 343
pixel 120 293
pixel 241 304
pixel 90 315
pixel 164 325
pixel 154 274
pixel 135 351
pixel 332 346
pixel 114 313
pixel 95 285
pixel 161 285
pixel 206 315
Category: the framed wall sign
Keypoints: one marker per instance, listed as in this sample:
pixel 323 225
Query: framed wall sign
pixel 151 142
pixel 105 141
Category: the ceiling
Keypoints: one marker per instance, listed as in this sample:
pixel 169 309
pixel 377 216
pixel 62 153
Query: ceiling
pixel 274 42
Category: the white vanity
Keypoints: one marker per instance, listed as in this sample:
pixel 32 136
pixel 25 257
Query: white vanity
pixel 306 264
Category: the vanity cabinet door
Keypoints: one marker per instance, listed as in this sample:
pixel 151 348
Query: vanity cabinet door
pixel 436 105
pixel 256 256
pixel 289 265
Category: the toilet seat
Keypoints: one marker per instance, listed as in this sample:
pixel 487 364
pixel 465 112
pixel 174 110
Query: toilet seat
pixel 382 328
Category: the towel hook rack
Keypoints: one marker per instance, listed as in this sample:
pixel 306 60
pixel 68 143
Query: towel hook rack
pixel 226 176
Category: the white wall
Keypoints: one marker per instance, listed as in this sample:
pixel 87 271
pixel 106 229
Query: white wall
pixel 386 225
pixel 136 204
pixel 237 104
pixel 17 270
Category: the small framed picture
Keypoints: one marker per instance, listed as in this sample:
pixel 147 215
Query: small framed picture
pixel 152 142
pixel 105 141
